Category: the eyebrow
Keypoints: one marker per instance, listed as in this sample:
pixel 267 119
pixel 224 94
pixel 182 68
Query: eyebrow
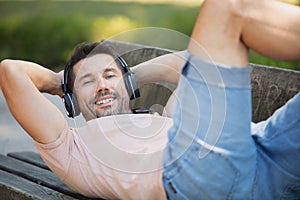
pixel 110 69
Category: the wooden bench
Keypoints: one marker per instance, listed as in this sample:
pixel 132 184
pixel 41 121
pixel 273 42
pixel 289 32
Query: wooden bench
pixel 24 175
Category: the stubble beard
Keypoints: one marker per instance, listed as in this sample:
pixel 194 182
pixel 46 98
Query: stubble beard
pixel 122 108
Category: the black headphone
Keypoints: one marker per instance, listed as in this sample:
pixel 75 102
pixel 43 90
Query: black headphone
pixel 70 101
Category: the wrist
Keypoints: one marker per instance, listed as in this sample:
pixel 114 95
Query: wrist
pixel 52 84
pixel 57 89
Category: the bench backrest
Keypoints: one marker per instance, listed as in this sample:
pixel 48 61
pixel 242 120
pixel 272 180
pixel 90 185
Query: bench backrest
pixel 271 87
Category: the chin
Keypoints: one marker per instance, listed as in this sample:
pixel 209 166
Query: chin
pixel 106 113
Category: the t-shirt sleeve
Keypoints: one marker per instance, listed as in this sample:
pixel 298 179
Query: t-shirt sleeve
pixel 57 154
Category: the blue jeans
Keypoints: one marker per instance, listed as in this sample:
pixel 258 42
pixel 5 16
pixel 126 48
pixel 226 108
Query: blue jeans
pixel 214 152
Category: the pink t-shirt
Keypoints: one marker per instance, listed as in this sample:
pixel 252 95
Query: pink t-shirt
pixel 114 157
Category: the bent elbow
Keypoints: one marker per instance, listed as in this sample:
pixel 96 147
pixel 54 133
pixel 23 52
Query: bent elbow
pixel 6 68
pixel 5 64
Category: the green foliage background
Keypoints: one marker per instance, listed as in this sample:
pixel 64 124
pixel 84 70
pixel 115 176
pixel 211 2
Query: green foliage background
pixel 47 31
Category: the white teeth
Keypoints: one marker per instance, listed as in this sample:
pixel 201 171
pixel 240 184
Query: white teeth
pixel 104 101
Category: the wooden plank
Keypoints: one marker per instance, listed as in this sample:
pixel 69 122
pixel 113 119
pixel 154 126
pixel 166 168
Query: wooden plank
pixel 36 174
pixel 13 187
pixel 29 157
pixel 271 88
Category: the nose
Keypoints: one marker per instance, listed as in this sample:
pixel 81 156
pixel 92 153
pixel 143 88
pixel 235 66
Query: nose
pixel 101 85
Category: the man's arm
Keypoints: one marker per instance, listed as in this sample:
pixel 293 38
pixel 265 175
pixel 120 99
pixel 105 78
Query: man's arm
pixel 163 68
pixel 22 83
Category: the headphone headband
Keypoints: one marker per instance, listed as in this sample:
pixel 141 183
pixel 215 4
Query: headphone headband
pixel 123 64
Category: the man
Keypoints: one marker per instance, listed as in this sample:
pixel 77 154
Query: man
pixel 210 152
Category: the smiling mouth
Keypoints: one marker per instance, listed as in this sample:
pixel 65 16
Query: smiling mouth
pixel 104 101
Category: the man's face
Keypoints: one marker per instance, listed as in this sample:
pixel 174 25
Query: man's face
pixel 99 87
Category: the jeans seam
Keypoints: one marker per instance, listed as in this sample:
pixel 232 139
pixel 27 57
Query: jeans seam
pixel 235 181
pixel 287 188
pixel 255 181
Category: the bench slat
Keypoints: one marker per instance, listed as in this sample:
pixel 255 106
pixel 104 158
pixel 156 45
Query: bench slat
pixel 14 187
pixel 29 157
pixel 36 174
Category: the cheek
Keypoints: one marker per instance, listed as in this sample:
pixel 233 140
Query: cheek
pixel 122 91
pixel 84 96
pixel 120 87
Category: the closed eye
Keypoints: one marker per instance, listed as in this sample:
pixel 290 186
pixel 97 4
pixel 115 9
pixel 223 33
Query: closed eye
pixel 110 75
pixel 86 79
pixel 87 82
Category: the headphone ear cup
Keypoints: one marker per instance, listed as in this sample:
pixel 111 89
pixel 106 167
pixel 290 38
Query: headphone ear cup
pixel 76 109
pixel 71 105
pixel 68 104
pixel 131 86
pixel 129 79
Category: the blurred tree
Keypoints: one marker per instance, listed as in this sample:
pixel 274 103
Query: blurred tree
pixel 46 40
